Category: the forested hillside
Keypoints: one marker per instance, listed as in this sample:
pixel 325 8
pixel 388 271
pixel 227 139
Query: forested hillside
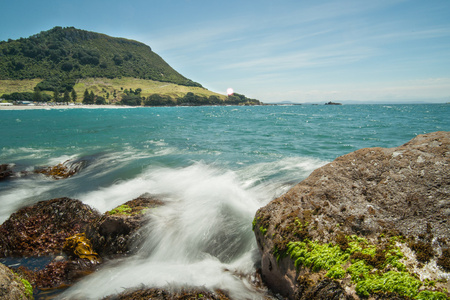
pixel 60 56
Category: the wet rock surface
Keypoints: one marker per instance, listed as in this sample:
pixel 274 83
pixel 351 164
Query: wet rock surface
pixel 42 228
pixel 58 274
pixel 161 294
pixel 5 171
pixel 373 198
pixel 117 231
pixel 11 286
pixel 63 170
pixel 62 228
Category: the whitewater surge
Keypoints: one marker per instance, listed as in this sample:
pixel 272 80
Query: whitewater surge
pixel 200 237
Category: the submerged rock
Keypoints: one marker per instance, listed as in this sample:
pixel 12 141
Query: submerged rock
pixel 5 171
pixel 12 287
pixel 42 228
pixel 117 231
pixel 63 170
pixel 58 274
pixel 363 225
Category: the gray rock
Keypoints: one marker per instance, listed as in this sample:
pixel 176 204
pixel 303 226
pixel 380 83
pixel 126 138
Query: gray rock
pixel 370 193
pixel 11 287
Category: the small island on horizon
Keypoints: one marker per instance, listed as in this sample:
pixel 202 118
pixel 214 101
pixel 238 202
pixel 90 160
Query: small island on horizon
pixel 333 103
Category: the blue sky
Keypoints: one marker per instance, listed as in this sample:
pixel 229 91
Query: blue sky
pixel 293 50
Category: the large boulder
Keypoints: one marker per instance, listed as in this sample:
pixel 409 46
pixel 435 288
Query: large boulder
pixel 42 228
pixel 369 223
pixel 12 287
pixel 117 232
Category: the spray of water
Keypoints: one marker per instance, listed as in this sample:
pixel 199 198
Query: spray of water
pixel 200 237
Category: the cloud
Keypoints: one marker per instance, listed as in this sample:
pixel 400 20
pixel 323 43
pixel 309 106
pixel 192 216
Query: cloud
pixel 327 56
pixel 347 49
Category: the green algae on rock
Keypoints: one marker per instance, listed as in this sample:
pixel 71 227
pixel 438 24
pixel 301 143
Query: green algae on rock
pixel 28 288
pixel 123 210
pixel 373 221
pixel 12 286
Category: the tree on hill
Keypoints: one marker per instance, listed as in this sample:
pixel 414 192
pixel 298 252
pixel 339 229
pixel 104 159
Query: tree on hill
pixel 56 96
pixel 74 95
pixel 131 100
pixel 66 96
pixel 37 95
pixel 158 100
pixel 100 100
pixel 88 98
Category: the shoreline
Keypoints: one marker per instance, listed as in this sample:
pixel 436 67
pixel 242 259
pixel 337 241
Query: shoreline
pixel 50 107
pixel 92 106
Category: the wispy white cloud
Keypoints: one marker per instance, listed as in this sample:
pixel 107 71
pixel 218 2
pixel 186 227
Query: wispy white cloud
pixel 332 55
pixel 314 50
pixel 192 38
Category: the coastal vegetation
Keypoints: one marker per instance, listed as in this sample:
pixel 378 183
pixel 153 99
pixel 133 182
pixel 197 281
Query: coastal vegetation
pixel 104 91
pixel 61 64
pixel 60 56
pixel 372 268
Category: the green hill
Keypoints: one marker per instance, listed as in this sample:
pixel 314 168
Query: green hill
pixel 62 55
pixel 96 68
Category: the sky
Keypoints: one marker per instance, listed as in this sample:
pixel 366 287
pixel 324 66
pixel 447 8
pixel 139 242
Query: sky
pixel 273 50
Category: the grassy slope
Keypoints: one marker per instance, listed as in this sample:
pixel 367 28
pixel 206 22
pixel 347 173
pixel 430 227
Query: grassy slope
pixel 100 86
pixel 11 86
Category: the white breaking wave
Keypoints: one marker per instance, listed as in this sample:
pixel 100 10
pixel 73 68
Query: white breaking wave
pixel 200 237
pixel 13 199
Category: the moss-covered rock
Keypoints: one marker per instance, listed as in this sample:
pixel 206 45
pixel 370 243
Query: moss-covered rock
pixel 374 222
pixel 12 286
pixel 117 231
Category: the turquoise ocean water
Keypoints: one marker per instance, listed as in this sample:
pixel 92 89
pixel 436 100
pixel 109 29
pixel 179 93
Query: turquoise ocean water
pixel 213 166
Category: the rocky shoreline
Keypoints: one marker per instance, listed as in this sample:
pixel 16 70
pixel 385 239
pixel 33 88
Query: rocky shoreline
pixel 373 224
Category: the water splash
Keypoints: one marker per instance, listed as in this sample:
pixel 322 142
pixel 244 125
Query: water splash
pixel 200 237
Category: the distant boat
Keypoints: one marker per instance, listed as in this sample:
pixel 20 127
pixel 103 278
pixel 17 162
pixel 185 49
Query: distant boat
pixel 333 103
